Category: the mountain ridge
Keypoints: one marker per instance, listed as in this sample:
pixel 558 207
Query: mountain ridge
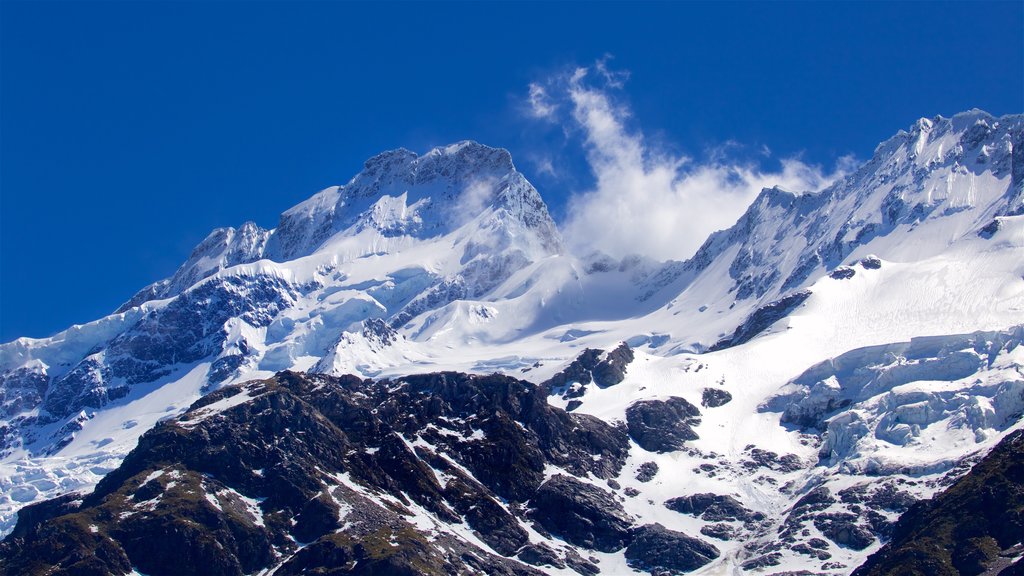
pixel 377 279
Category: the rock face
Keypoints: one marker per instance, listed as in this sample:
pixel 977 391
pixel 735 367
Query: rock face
pixel 659 550
pixel 761 319
pixel 582 514
pixel 662 425
pixel 713 508
pixel 591 366
pixel 309 472
pixel 714 397
pixel 965 528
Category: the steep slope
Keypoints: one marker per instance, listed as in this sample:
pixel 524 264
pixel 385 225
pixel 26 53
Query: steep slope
pixel 923 191
pixel 435 474
pixel 977 524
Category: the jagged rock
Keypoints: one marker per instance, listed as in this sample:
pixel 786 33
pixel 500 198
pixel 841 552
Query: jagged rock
pixel 842 529
pixel 612 369
pixel 713 508
pixel 580 564
pixel 772 559
pixel 250 470
pixel 714 397
pixel 581 513
pixel 842 273
pixel 719 531
pixel 808 550
pixel 579 371
pixel 589 367
pixel 658 549
pixel 761 319
pixel 871 263
pixel 817 544
pixel 817 499
pixel 647 471
pixel 767 459
pixel 540 555
pixel 662 425
pixel 961 529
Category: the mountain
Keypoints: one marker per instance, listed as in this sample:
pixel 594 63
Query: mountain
pixel 975 526
pixel 781 397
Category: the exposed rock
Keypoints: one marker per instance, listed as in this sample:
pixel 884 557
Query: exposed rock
pixel 842 273
pixel 767 459
pixel 581 513
pixel 657 549
pixel 808 550
pixel 713 508
pixel 540 555
pixel 714 397
pixel 647 471
pixel 761 319
pixel 720 531
pixel 962 529
pixel 338 465
pixel 591 365
pixel 842 529
pixel 772 559
pixel 871 263
pixel 579 564
pixel 662 425
pixel 612 369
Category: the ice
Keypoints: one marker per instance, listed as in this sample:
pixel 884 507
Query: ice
pixel 450 261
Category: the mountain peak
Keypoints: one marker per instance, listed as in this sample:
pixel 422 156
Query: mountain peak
pixel 398 194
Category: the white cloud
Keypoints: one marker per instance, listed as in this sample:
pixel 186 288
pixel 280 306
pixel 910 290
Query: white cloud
pixel 540 104
pixel 476 196
pixel 649 201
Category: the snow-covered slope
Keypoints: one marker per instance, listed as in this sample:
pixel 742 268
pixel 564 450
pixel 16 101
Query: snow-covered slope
pixel 805 312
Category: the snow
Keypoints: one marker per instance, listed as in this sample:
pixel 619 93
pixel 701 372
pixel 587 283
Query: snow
pixel 455 252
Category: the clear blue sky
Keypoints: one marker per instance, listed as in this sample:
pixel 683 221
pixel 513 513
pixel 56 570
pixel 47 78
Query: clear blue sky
pixel 129 130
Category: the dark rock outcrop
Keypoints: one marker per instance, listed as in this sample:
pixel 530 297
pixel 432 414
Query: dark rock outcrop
pixel 714 397
pixel 842 273
pixel 612 369
pixel 842 529
pixel 660 550
pixel 304 473
pixel 647 471
pixel 582 514
pixel 713 508
pixel 761 319
pixel 662 425
pixel 965 528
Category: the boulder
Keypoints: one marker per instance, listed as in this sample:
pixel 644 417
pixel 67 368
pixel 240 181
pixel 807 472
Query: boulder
pixel 659 550
pixel 662 425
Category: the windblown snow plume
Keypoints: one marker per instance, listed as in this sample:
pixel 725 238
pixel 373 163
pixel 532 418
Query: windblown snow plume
pixel 647 200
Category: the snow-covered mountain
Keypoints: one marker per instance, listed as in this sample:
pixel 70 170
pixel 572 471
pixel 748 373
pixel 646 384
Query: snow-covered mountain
pixel 851 350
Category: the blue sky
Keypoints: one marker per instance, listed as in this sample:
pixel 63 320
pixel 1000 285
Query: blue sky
pixel 128 131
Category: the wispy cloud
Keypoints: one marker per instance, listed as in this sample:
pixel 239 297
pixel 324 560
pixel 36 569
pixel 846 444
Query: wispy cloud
pixel 539 103
pixel 647 200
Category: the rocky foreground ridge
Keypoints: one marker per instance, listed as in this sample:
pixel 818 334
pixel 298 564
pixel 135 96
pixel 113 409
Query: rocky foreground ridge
pixel 449 473
pixel 437 474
